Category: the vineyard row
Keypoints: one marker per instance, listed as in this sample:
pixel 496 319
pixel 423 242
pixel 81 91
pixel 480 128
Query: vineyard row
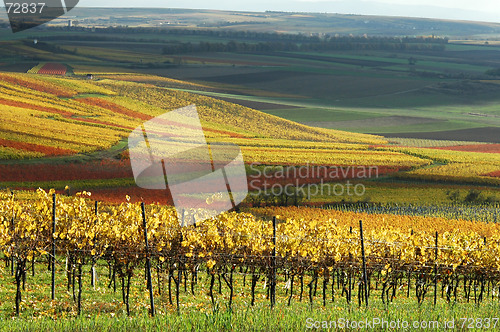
pixel 132 236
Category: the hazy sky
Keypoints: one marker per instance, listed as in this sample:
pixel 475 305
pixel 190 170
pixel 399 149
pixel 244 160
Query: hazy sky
pixel 486 10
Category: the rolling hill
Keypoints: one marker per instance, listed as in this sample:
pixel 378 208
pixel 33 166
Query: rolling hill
pixel 48 116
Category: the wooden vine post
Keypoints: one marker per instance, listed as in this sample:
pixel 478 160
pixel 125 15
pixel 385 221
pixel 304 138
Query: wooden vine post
pixel 273 267
pixel 365 276
pixel 13 230
pixel 148 261
pixel 436 270
pixel 92 269
pixel 53 261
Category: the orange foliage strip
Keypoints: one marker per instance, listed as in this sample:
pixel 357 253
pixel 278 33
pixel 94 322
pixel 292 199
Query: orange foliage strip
pixel 495 174
pixel 47 150
pixel 109 124
pixel 34 107
pixel 93 170
pixel 55 139
pixel 47 88
pixel 65 114
pixel 114 108
pixel 486 148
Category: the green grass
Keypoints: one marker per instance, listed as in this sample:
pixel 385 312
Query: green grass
pixel 380 56
pixel 414 128
pixel 281 318
pixel 390 105
pixel 282 101
pixel 320 114
pixel 75 184
pixel 103 310
pixel 384 191
pixel 401 100
pixel 461 47
pixel 440 65
pixel 400 61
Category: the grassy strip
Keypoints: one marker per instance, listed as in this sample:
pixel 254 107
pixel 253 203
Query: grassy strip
pixel 74 184
pixel 102 309
pixel 282 318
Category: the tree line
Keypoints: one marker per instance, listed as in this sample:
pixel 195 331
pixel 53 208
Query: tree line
pixel 330 45
pixel 251 41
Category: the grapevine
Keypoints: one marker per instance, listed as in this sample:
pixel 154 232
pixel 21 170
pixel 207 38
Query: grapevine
pixel 310 243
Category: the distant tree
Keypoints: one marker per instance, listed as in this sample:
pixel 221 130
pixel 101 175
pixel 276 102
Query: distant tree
pixel 412 61
pixel 493 72
pixel 453 196
pixel 474 196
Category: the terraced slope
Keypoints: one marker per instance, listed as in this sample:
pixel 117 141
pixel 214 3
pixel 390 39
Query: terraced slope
pixel 48 116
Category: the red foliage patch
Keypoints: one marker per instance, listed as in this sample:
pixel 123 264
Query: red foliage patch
pixel 96 170
pixel 114 108
pixel 65 114
pixel 35 107
pixel 53 69
pixel 495 174
pixel 485 148
pixel 89 120
pixel 117 195
pixel 137 115
pixel 42 87
pixel 47 150
pixel 120 169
